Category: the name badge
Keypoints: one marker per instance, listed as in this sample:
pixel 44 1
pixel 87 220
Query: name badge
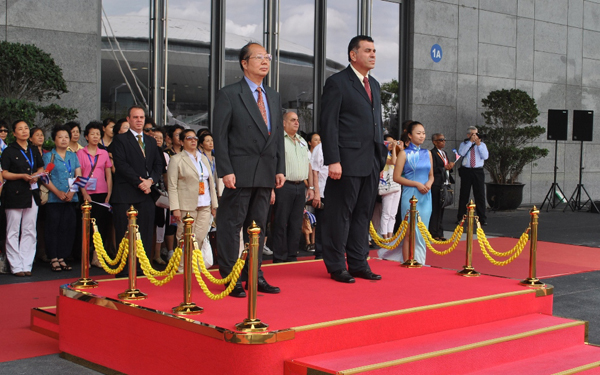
pixel 33 186
pixel 201 188
pixel 91 184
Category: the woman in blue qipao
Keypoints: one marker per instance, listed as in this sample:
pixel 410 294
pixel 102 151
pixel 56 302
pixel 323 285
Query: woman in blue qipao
pixel 413 171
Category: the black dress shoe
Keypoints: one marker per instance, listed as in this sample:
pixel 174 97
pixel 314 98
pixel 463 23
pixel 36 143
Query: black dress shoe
pixel 366 274
pixel 238 292
pixel 342 276
pixel 264 287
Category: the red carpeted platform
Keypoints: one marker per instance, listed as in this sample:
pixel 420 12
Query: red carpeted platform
pixel 553 259
pixel 316 325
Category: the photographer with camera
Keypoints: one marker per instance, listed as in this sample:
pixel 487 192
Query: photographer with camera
pixel 474 152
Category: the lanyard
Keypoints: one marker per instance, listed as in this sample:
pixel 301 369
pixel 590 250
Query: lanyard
pixel 92 165
pixel 68 165
pixel 201 169
pixel 30 162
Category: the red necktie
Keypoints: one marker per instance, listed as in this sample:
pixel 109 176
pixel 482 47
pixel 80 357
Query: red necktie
pixel 473 156
pixel 368 88
pixel 261 106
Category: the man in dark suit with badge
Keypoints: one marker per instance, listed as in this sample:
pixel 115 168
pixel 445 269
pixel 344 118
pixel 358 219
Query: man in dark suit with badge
pixel 248 135
pixel 138 166
pixel 352 137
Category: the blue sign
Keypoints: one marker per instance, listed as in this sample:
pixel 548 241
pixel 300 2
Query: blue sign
pixel 436 53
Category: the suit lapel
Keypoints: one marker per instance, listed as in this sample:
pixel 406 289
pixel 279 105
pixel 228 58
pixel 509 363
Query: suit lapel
pixel 134 144
pixel 358 86
pixel 189 162
pixel 250 103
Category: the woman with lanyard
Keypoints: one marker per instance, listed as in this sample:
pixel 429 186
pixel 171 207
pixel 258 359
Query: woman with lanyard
pixel 96 165
pixel 21 198
pixel 191 187
pixel 62 199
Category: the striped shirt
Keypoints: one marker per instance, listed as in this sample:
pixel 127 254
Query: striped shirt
pixel 296 158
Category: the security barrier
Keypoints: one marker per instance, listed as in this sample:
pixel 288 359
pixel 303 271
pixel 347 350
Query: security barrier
pixel 472 221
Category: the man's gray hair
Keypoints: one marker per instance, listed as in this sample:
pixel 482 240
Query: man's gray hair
pixel 471 128
pixel 435 135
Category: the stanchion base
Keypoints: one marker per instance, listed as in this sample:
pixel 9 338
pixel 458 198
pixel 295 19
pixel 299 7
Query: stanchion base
pixel 533 283
pixel 132 294
pixel 84 283
pixel 252 325
pixel 187 309
pixel 469 272
pixel 411 263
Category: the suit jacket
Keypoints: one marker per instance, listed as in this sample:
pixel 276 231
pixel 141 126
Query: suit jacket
pixel 183 181
pixel 351 126
pixel 243 145
pixel 131 164
pixel 438 168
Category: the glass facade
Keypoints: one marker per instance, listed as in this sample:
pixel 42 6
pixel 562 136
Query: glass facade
pixel 287 27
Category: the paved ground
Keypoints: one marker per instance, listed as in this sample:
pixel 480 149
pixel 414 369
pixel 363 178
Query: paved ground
pixel 575 296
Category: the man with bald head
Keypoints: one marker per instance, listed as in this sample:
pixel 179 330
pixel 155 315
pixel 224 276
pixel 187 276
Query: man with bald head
pixel 290 199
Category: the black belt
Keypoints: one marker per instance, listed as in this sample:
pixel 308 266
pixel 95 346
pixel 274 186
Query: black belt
pixel 294 182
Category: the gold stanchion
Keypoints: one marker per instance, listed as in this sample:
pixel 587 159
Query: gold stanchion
pixel 252 324
pixel 132 293
pixel 468 270
pixel 532 281
pixel 187 307
pixel 411 262
pixel 84 281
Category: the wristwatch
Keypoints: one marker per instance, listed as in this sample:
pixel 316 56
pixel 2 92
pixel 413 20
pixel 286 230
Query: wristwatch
pixel 311 188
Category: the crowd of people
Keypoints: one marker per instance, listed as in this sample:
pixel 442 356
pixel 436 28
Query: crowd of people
pixel 256 166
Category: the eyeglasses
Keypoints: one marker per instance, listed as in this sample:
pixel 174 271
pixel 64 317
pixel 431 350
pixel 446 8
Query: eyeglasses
pixel 3 130
pixel 190 138
pixel 148 130
pixel 440 140
pixel 261 57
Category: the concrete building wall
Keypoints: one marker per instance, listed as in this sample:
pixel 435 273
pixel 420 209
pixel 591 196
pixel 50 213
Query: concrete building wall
pixel 548 48
pixel 70 31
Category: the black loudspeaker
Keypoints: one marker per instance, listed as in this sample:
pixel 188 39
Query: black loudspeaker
pixel 558 122
pixel 583 125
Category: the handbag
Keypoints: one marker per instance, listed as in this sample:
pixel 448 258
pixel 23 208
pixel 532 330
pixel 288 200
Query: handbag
pixel 207 253
pixel 387 185
pixel 163 199
pixel 446 195
pixel 44 191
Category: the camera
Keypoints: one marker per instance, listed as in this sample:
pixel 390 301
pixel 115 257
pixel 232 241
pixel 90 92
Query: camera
pixel 480 135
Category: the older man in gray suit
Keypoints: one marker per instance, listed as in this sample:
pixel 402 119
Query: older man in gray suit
pixel 248 134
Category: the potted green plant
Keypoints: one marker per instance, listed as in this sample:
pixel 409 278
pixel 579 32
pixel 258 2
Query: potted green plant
pixel 509 131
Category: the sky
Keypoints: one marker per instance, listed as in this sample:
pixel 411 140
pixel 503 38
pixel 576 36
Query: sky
pixel 244 17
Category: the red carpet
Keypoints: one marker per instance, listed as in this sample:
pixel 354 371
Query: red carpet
pixel 553 259
pixel 19 341
pixel 327 316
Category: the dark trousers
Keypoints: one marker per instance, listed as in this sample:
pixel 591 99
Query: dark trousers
pixel 345 224
pixel 103 221
pixel 60 229
pixel 286 227
pixel 319 234
pixel 237 209
pixel 437 213
pixel 145 222
pixel 472 177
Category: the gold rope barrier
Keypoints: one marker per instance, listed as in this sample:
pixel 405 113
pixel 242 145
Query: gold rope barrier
pixel 104 258
pixel 455 239
pixel 187 307
pixel 468 270
pixel 150 272
pixel 411 262
pixel 84 281
pixel 532 281
pixel 133 293
pixel 380 240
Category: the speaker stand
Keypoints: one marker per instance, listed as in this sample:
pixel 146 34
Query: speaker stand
pixel 552 195
pixel 575 201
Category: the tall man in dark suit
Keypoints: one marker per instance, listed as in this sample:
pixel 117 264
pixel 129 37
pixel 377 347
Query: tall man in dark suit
pixel 352 135
pixel 138 165
pixel 442 166
pixel 248 134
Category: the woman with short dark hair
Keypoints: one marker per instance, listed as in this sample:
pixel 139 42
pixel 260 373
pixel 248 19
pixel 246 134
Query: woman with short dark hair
pixel 21 198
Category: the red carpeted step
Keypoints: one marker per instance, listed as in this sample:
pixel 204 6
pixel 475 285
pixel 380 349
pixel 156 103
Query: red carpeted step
pixel 576 359
pixel 45 321
pixel 491 344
